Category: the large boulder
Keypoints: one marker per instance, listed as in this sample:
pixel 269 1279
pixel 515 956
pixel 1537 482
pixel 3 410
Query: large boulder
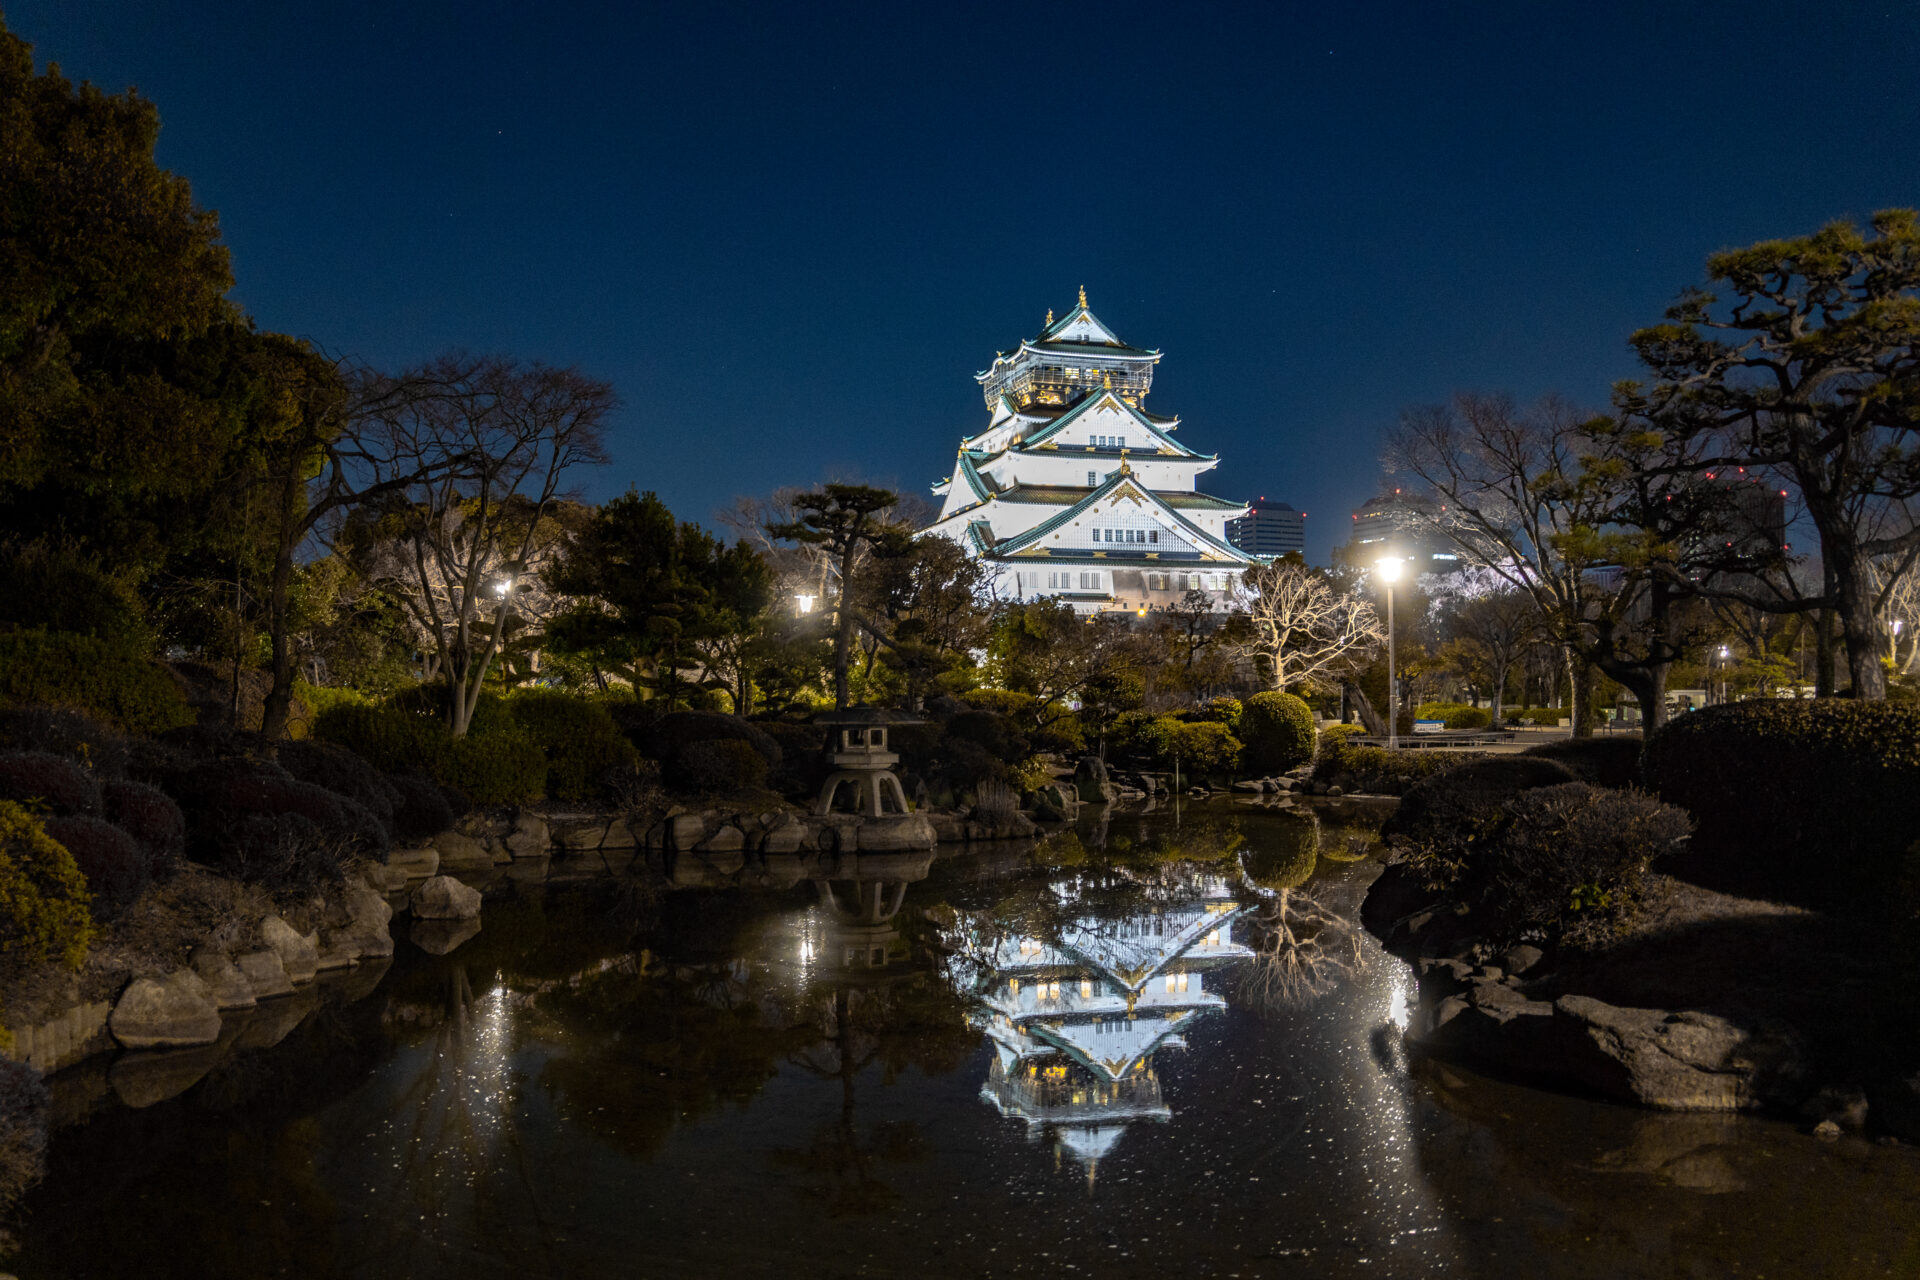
pixel 1090 781
pixel 444 898
pixel 228 987
pixel 461 853
pixel 415 864
pixel 1686 1061
pixel 299 952
pixel 175 1012
pixel 529 837
pixel 264 973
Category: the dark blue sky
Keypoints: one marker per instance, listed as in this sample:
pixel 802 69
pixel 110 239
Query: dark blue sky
pixel 790 235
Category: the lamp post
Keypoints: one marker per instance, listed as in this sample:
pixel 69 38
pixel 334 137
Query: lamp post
pixel 1725 653
pixel 1389 570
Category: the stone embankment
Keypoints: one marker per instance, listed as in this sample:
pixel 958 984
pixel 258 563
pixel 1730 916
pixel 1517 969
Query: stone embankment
pixel 1668 1034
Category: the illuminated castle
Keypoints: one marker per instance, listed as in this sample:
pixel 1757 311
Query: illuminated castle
pixel 1075 491
pixel 1075 1024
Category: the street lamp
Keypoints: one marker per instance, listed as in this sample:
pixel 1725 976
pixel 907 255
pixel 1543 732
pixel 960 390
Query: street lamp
pixel 1389 571
pixel 803 604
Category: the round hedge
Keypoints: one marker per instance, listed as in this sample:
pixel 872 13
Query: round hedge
pixel 1276 733
pixel 1813 800
pixel 43 897
pixel 147 814
pixel 1288 861
pixel 47 782
pixel 715 765
pixel 579 738
pixel 116 868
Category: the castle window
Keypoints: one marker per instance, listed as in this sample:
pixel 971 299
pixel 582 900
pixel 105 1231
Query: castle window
pixel 1091 482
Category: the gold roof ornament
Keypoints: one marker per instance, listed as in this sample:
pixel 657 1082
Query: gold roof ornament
pixel 1125 469
pixel 1107 379
pixel 1049 317
pixel 1083 297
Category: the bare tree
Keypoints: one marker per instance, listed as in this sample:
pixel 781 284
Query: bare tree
pixel 1305 631
pixel 469 535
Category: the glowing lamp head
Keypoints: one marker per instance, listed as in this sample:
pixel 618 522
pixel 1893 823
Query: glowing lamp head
pixel 1388 568
pixel 803 603
pixel 1725 652
pixel 503 586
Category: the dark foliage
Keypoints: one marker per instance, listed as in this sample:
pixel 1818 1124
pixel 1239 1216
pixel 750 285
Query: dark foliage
pixel 1813 801
pixel 1446 815
pixel 1571 860
pixel 495 763
pixel 60 668
pixel 283 852
pixel 26 1117
pixel 342 772
pixel 424 810
pixel 47 783
pixel 116 868
pixel 65 732
pixel 1276 733
pixel 216 796
pixel 150 816
pixel 715 765
pixel 803 762
pixel 991 732
pixel 670 732
pixel 582 743
pixel 1605 762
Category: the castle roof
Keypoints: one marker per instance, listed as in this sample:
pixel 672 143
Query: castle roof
pixel 1120 481
pixel 1157 429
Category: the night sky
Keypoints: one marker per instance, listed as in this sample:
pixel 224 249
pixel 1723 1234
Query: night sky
pixel 790 235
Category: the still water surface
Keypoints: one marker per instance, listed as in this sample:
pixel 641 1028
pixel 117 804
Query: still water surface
pixel 1161 1046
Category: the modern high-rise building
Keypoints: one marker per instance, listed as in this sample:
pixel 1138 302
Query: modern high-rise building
pixel 1269 528
pixel 1075 491
pixel 1403 525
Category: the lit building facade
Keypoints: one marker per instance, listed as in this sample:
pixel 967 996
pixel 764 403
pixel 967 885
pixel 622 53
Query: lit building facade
pixel 1405 526
pixel 1074 491
pixel 1269 529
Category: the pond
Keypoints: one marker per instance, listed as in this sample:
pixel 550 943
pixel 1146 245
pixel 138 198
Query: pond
pixel 1158 1046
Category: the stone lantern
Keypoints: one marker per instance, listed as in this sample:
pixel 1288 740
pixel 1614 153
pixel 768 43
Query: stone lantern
pixel 863 764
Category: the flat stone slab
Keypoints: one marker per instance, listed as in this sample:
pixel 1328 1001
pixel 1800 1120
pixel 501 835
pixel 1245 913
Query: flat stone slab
pixel 172 1013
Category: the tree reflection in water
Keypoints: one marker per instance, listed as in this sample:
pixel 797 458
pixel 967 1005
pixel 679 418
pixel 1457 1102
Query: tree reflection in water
pixel 1304 946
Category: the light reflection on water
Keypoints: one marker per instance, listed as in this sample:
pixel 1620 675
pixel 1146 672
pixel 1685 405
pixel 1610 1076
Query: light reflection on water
pixel 1138 1047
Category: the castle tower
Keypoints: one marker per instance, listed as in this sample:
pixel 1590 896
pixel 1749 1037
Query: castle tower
pixel 1075 491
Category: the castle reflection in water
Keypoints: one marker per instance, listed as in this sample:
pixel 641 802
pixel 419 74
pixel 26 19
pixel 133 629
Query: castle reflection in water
pixel 1080 1002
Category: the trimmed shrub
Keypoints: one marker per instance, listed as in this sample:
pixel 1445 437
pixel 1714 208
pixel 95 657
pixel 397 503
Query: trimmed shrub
pixel 1571 860
pixel 492 768
pixel 43 897
pixel 1810 800
pixel 116 868
pixel 433 702
pixel 326 764
pixel 580 740
pixel 1226 711
pixel 992 732
pixel 669 733
pixel 214 796
pixel 715 765
pixel 1469 718
pixel 1443 815
pixel 1005 702
pixel 65 732
pixel 388 738
pixel 1204 750
pixel 423 811
pixel 47 586
pixel 46 783
pixel 1335 741
pixel 60 668
pixel 1605 762
pixel 147 814
pixel 1544 717
pixel 1276 732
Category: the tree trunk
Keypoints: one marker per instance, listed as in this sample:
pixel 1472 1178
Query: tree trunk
pixel 1580 676
pixel 1823 654
pixel 1859 623
pixel 1368 716
pixel 843 635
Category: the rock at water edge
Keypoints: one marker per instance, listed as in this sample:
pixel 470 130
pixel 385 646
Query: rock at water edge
pixel 444 898
pixel 299 953
pixel 264 973
pixel 229 987
pixel 174 1013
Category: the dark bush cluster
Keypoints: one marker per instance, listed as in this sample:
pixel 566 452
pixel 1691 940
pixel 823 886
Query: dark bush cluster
pixel 495 763
pixel 47 783
pixel 101 677
pixel 802 766
pixel 424 810
pixel 1813 801
pixel 1376 770
pixel 670 732
pixel 582 744
pixel 250 818
pixel 149 815
pixel 715 765
pixel 1603 761
pixel 43 896
pixel 1276 733
pixel 116 867
pixel 65 732
pixel 1532 850
pixel 325 764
